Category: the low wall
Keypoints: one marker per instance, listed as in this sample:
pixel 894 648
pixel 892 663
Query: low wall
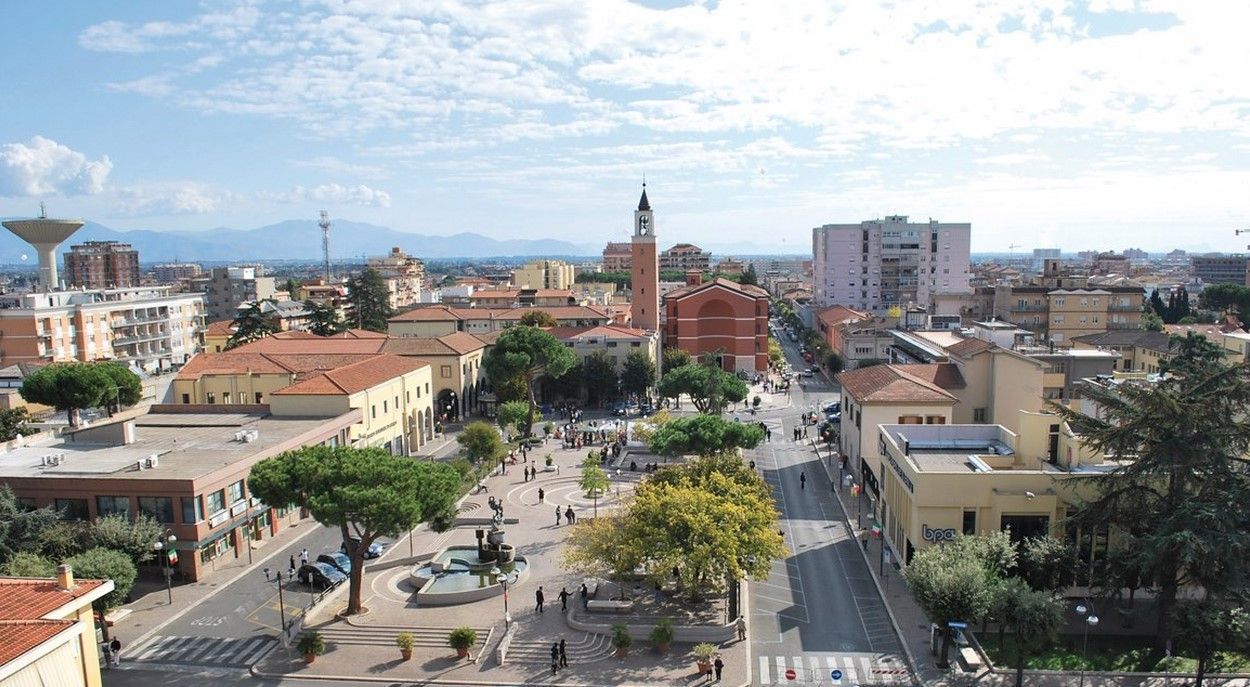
pixel 501 651
pixel 424 597
pixel 715 634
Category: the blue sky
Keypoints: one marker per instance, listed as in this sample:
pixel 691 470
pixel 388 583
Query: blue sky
pixel 1091 124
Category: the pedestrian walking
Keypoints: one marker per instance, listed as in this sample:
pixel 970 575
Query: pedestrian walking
pixel 742 628
pixel 569 516
pixel 564 657
pixel 115 652
pixel 558 513
pixel 541 494
pixel 538 599
pixel 718 665
pixel 107 653
pixel 555 657
pixel 303 557
pixel 292 562
pixel 802 480
pixel 585 596
pixel 564 600
pixel 863 539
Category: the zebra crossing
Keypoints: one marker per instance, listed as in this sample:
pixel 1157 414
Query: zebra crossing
pixel 215 651
pixel 852 670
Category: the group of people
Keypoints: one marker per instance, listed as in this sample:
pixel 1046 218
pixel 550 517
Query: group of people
pixel 568 515
pixel 530 472
pixel 112 653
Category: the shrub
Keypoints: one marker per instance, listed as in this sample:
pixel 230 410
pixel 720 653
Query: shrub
pixel 462 638
pixel 24 564
pixel 704 651
pixel 405 641
pixel 311 643
pixel 620 637
pixel 663 632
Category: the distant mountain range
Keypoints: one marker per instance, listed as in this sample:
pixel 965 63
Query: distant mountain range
pixel 298 240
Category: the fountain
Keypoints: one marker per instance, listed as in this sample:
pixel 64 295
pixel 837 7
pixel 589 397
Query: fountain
pixel 462 574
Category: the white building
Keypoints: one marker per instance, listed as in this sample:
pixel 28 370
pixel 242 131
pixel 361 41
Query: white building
pixel 882 263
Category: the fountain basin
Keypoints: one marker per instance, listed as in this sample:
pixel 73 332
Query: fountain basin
pixel 457 575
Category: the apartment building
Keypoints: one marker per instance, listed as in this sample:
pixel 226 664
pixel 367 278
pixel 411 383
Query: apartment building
pixel 880 264
pixel 685 256
pixel 230 287
pixel 1059 306
pixel 522 297
pixel 150 328
pixel 437 320
pixel 556 275
pixel 614 340
pixel 617 257
pixel 404 275
pixel 1221 269
pixel 174 272
pixel 1110 263
pixel 102 265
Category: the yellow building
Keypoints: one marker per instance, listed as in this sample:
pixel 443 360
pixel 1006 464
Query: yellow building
pixel 48 630
pixel 1140 350
pixel 545 274
pixel 435 321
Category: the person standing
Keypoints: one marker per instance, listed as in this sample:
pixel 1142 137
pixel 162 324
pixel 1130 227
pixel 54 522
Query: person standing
pixel 303 557
pixel 718 666
pixel 741 624
pixel 541 494
pixel 564 658
pixel 538 600
pixel 863 539
pixel 115 652
pixel 555 657
pixel 292 562
pixel 585 597
pixel 564 602
pixel 568 515
pixel 802 480
pixel 557 516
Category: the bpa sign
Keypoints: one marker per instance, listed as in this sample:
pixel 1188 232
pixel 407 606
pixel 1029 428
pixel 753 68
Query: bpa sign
pixel 937 536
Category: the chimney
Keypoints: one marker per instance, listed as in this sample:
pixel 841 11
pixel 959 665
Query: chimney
pixel 64 577
pixel 694 277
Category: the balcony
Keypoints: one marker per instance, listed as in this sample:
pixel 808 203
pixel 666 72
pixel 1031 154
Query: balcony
pixel 1029 307
pixel 1123 325
pixel 1124 308
pixel 139 338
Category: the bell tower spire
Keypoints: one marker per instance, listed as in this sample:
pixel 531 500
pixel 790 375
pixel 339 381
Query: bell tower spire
pixel 645 269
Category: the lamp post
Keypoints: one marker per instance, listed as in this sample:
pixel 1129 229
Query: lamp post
pixel 277 577
pixel 166 541
pixel 1090 621
pixel 498 575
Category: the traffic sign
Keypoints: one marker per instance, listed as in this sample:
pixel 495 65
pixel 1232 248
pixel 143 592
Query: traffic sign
pixel 837 674
pixel 790 674
pixel 956 625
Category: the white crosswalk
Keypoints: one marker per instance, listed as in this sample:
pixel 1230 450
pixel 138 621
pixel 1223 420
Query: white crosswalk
pixel 217 651
pixel 850 670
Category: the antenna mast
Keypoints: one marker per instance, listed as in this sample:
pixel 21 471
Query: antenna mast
pixel 324 223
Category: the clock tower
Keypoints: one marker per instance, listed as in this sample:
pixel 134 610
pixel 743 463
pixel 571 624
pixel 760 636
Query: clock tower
pixel 645 273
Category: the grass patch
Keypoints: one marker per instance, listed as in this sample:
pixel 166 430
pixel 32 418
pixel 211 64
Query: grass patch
pixel 1134 654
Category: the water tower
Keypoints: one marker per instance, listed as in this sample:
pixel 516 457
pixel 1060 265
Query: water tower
pixel 45 235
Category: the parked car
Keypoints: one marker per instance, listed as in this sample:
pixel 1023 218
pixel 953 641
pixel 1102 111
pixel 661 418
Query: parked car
pixel 321 575
pixel 621 408
pixel 832 407
pixel 646 410
pixel 338 561
pixel 375 549
pixel 807 373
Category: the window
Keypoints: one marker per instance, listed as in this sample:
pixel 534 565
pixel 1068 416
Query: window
pixel 212 398
pixel 910 420
pixel 161 508
pixel 186 399
pixel 225 397
pixel 611 344
pixel 978 415
pixel 216 501
pixel 234 493
pixel 935 420
pixel 444 370
pixel 373 411
pixel 970 522
pixel 107 505
pixel 384 407
pixel 72 509
pixel 192 509
pixel 260 398
pixel 408 396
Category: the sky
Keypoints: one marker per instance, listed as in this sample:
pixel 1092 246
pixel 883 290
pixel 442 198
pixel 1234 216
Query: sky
pixel 1093 124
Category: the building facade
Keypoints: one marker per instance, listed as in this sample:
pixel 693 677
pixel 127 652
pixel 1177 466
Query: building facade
pixel 102 265
pixel 545 274
pixel 404 275
pixel 880 264
pixel 230 287
pixel 437 320
pixel 174 272
pixel 150 328
pixel 644 269
pixel 719 317
pixel 685 256
pixel 1221 269
pixel 617 257
pixel 49 630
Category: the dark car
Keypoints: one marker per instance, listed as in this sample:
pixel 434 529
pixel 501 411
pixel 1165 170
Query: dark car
pixel 338 561
pixel 320 575
pixel 375 549
pixel 621 408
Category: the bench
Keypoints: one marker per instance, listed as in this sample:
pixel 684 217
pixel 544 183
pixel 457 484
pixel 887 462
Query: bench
pixel 609 606
pixel 970 658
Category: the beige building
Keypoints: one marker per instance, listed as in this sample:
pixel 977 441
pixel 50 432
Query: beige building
pixel 614 340
pixel 230 287
pixel 617 257
pixel 1059 306
pixel 150 328
pixel 437 320
pixel 545 274
pixel 1139 350
pixel 685 256
pixel 404 275
pixel 49 630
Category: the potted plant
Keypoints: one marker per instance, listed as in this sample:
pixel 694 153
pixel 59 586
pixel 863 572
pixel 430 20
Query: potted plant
pixel 662 635
pixel 550 463
pixel 549 427
pixel 311 645
pixel 703 656
pixel 621 640
pixel 755 402
pixel 405 641
pixel 461 639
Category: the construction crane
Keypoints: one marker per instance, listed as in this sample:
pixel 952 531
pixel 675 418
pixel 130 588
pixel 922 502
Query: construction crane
pixel 1012 255
pixel 324 223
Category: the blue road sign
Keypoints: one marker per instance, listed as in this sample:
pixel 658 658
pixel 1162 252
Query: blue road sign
pixel 955 625
pixel 837 675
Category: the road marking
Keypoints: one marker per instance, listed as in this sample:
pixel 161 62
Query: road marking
pixel 763 675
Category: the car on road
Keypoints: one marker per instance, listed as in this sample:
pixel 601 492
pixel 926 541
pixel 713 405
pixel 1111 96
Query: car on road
pixel 621 408
pixel 337 560
pixel 646 410
pixel 832 407
pixel 808 372
pixel 321 575
pixel 375 549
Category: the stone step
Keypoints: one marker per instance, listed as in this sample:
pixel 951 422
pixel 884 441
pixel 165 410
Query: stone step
pixel 587 649
pixel 385 636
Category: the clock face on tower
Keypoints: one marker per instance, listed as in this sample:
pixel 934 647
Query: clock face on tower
pixel 642 224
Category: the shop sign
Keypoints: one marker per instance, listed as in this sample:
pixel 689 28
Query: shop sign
pixel 218 518
pixel 937 536
pixel 238 508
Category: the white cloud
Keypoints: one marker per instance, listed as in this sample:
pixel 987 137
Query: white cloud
pixel 172 198
pixel 332 193
pixel 45 167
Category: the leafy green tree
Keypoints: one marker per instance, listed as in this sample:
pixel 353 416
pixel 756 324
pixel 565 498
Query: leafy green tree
pixel 61 539
pixel 568 385
pixel 13 422
pixel 1188 435
pixel 480 442
pixel 370 300
pixel 538 318
pixel 120 533
pixel 253 324
pixel 638 374
pixel 291 286
pixel 1219 297
pixel 515 415
pixel 599 374
pixel 603 547
pixel 365 492
pixel 106 564
pixel 1205 627
pixel 593 481
pixel 70 387
pixel 527 353
pixel 126 389
pixel 1046 562
pixel 20 526
pixel 704 435
pixel 1034 617
pixel 675 358
pixel 24 564
pixel 1151 322
pixel 323 318
pixel 1157 305
pixel 834 362
pixel 749 277
pixel 517 388
pixel 710 388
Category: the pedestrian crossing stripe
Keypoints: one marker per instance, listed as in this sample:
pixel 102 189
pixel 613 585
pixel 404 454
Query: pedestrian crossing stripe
pixel 818 669
pixel 235 651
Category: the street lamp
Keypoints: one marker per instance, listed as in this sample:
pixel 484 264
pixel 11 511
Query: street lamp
pixel 277 577
pixel 1090 621
pixel 498 575
pixel 166 541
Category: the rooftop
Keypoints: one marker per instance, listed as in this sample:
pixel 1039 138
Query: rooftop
pixel 748 290
pixel 902 383
pixel 952 448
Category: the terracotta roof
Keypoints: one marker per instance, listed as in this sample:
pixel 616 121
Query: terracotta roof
pixel 295 362
pixel 560 312
pixel 219 328
pixel 455 343
pixel 891 384
pixel 838 314
pixel 488 338
pixel 516 293
pixel 314 344
pixel 24 598
pixel 1156 341
pixel 610 331
pixel 750 291
pixel 436 313
pixel 354 378
pixel 969 347
pixel 19 636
